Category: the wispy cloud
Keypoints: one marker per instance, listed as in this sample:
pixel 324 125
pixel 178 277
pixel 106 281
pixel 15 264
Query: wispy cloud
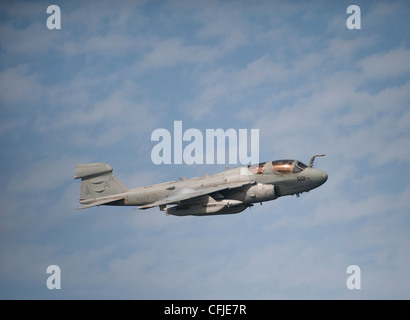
pixel 171 52
pixel 42 176
pixel 95 90
pixel 386 64
pixel 19 86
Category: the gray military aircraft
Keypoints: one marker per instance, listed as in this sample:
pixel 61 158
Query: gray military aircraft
pixel 230 191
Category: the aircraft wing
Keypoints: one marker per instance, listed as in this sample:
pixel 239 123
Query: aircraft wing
pixel 188 194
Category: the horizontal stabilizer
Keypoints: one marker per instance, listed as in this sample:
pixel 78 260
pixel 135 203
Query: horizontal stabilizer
pixel 100 202
pixel 91 169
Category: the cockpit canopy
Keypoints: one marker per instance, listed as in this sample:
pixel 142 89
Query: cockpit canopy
pixel 279 166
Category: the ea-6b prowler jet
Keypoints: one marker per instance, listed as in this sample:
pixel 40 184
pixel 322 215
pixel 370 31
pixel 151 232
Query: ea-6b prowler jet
pixel 230 191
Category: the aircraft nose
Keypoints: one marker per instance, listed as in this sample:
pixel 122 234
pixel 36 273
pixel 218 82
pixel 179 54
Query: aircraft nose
pixel 324 175
pixel 319 177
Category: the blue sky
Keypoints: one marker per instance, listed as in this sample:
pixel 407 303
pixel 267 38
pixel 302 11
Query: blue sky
pixel 95 90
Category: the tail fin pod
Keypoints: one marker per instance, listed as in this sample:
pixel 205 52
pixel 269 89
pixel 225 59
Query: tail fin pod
pixel 97 180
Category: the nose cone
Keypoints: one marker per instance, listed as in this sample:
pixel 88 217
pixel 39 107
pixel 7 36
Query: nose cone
pixel 317 177
pixel 324 177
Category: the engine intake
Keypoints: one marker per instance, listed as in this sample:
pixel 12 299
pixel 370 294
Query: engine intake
pixel 260 192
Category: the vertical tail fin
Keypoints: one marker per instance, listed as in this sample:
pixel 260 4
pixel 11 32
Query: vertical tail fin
pixel 97 181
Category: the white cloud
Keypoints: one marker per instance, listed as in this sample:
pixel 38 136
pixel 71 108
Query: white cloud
pixel 306 93
pixel 42 176
pixel 13 124
pixel 110 120
pixel 344 211
pixel 173 51
pixel 25 262
pixel 108 45
pixel 19 86
pixel 34 38
pixel 386 64
pixel 224 24
pixel 227 86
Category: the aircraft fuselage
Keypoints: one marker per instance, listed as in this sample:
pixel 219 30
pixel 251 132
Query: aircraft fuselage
pixel 230 191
